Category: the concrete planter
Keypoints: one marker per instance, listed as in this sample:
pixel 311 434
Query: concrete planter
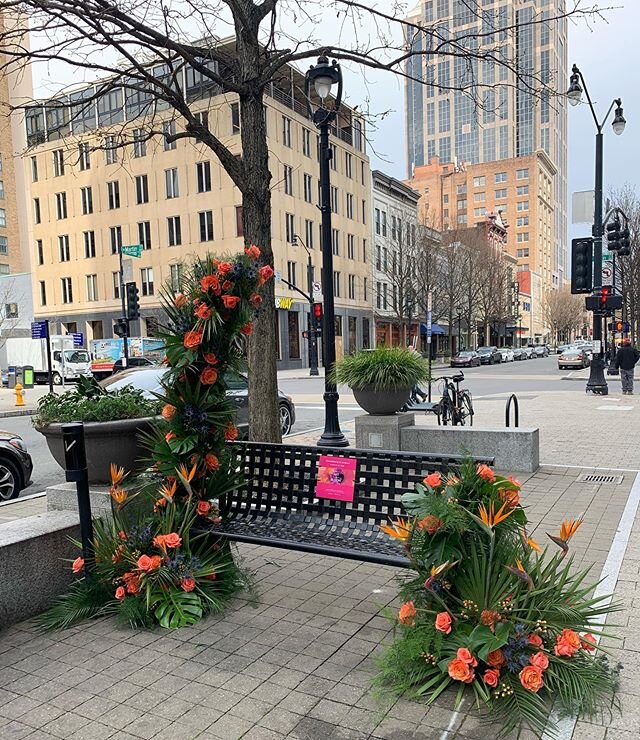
pixel 106 442
pixel 381 402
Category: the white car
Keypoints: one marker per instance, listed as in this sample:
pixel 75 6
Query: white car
pixel 507 354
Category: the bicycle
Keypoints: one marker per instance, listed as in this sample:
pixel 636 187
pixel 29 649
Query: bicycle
pixel 456 404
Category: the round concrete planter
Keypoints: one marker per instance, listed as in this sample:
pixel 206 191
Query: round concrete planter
pixel 106 442
pixel 381 402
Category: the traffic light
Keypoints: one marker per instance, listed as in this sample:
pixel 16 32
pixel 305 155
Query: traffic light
pixel 614 235
pixel 625 243
pixel 581 265
pixel 133 302
pixel 120 327
pixel 316 317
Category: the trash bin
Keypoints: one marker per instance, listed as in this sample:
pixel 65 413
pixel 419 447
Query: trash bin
pixel 27 376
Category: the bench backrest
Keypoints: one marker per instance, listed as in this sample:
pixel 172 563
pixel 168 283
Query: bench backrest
pixel 282 478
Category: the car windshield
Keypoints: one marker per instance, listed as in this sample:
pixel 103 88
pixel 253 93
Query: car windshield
pixel 484 349
pixel 75 355
pixel 573 353
pixel 466 354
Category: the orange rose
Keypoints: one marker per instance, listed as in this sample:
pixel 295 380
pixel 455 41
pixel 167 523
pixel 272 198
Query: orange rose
pixel 156 562
pixel 78 565
pixel 588 642
pixel 187 584
pixel 252 252
pixel 496 659
pixel 539 660
pixel 209 282
pixel 433 481
pixel 209 376
pixel 211 461
pixel 132 582
pixel 443 622
pixel 460 671
pixel 485 472
pixel 168 411
pixel 509 496
pixel 535 640
pixel 407 614
pixel 192 339
pixel 231 432
pixel 179 300
pixel 203 508
pixel 147 564
pixel 224 268
pixel 466 656
pixel 203 312
pixel 255 299
pixel 247 329
pixel 173 539
pixel 227 286
pixel 210 359
pixel 265 273
pixel 567 643
pixel 120 593
pixel 491 677
pixel 515 481
pixel 230 301
pixel 430 524
pixel 531 678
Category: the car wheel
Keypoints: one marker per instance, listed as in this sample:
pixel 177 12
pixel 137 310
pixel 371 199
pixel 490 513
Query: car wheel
pixel 9 480
pixel 285 419
pixel 57 379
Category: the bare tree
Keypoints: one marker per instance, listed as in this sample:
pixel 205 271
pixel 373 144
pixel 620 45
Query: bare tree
pixel 628 268
pixel 144 47
pixel 563 313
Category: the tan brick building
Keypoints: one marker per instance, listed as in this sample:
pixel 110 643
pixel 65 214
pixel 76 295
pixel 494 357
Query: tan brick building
pixel 88 200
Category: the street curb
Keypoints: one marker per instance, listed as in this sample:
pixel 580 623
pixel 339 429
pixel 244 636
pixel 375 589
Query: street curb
pixel 9 414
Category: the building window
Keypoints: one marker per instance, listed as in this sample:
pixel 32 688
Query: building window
pixel 479 182
pixel 522 174
pixel 501 194
pixel 365 289
pixel 461 189
pixel 67 290
pixel 378 257
pixel 335 242
pixel 378 295
pixel 86 200
pixel 34 169
pixel 11 311
pixel 348 164
pixel 89 239
pixel 4 245
pixel 336 284
pixel 169 129
pixel 394 228
pixel 203 176
pixel 92 287
pixel 377 220
pixel 61 206
pixel 37 216
pixel 289 227
pixel 384 223
pixel 308 233
pixel 43 293
pixel 206 226
pixel 479 212
pixel 39 252
pixel 522 221
pixel 176 272
pixel 308 187
pixel 306 142
pixel 522 190
pixel 174 231
pixel 113 194
pixel 351 249
pixel 479 197
pixel 523 205
pixel 294 335
pixel 3 217
pixel 286 131
pixel 110 150
pixel 172 188
pixel 352 287
pixel 116 284
pixel 146 280
pixel 462 204
pixel 384 295
pixel 144 234
pixel 364 250
pixel 349 205
pixel 522 252
pixel 333 158
pixel 501 177
pixel 291 273
pixel 84 158
pixel 239 222
pixel 115 237
pixel 287 174
pixel 235 118
pixel 462 218
pixel 522 237
pixel 139 143
pixel 334 199
pixel 63 248
pixel 142 189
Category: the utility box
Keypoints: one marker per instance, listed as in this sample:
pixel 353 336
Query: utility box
pixel 28 376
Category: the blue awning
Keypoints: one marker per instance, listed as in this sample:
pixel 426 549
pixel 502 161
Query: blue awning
pixel 435 329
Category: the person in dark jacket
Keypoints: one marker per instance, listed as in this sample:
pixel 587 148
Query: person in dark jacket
pixel 626 361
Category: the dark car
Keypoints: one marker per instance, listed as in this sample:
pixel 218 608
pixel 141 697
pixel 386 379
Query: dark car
pixel 489 355
pixel 118 365
pixel 148 380
pixel 466 359
pixel 15 465
pixel 519 354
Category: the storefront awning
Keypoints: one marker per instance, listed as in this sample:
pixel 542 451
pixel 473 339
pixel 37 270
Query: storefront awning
pixel 435 329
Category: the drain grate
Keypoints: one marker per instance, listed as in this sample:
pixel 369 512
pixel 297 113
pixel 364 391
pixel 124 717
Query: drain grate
pixel 595 478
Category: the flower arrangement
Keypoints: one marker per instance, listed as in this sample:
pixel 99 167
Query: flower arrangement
pixel 160 561
pixel 489 612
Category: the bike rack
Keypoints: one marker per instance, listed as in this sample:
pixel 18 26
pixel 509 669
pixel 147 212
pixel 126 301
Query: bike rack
pixel 512 398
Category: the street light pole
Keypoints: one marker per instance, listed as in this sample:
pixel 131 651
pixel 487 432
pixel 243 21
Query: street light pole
pixel 597 382
pixel 313 337
pixel 322 77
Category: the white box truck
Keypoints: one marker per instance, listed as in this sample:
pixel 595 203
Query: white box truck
pixel 68 363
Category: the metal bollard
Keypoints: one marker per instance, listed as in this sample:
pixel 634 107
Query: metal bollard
pixel 75 463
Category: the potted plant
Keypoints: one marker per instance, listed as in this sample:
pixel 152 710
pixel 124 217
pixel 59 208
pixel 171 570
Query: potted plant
pixel 381 379
pixel 112 421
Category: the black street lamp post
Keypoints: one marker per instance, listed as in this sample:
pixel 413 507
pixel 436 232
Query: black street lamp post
pixel 597 382
pixel 321 79
pixel 459 317
pixel 313 337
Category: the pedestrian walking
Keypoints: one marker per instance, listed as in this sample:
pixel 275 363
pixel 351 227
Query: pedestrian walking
pixel 625 361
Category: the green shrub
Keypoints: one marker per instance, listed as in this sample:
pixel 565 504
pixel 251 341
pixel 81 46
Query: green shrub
pixel 383 367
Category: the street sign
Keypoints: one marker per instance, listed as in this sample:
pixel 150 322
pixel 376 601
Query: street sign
pixel 132 250
pixel 78 338
pixel 39 329
pixel 317 292
pixel 127 271
pixel 607 273
pixel 277 276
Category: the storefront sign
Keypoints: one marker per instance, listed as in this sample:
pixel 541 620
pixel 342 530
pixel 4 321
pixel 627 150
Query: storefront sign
pixel 285 304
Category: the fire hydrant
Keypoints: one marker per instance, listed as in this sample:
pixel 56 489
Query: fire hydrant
pixel 19 395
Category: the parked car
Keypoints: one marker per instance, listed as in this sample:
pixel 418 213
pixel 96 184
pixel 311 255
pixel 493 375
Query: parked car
pixel 519 354
pixel 529 353
pixel 16 465
pixel 118 365
pixel 541 350
pixel 562 348
pixel 489 355
pixel 507 354
pixel 148 380
pixel 466 359
pixel 573 358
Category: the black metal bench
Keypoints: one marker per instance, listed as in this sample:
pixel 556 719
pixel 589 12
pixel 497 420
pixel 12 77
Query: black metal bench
pixel 277 505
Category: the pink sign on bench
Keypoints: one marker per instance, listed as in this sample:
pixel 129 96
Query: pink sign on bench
pixel 336 478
